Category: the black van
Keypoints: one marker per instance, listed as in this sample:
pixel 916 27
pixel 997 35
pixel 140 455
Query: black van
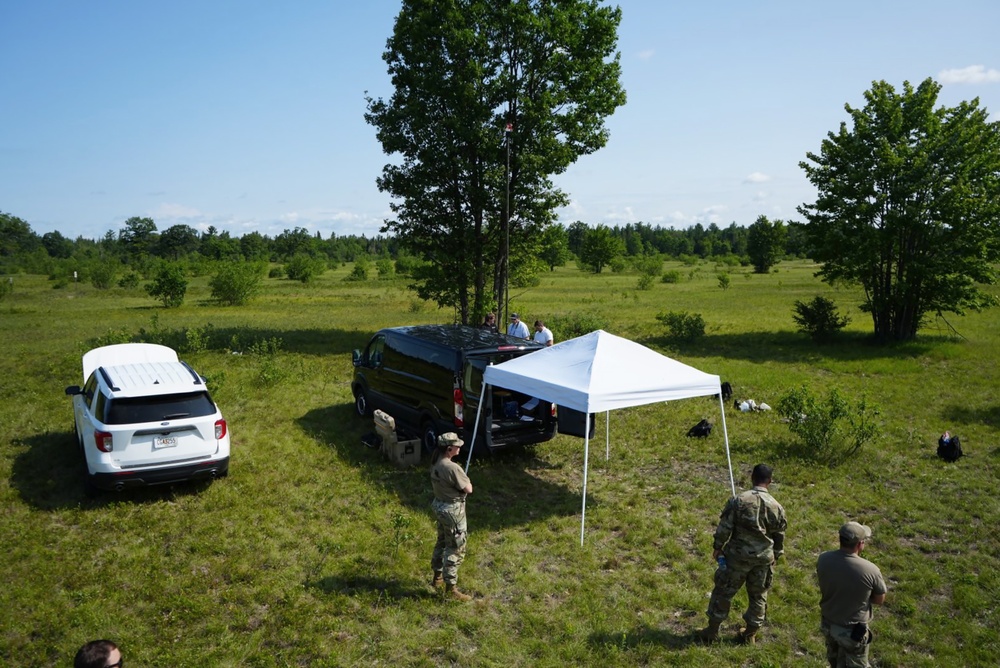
pixel 430 377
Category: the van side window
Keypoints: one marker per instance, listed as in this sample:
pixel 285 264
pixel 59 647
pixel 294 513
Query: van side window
pixel 376 351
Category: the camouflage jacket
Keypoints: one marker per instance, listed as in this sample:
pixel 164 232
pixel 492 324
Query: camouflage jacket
pixel 751 528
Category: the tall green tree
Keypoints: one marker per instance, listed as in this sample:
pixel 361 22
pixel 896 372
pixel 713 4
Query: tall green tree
pixel 137 238
pixel 600 246
pixel 908 206
pixel 765 244
pixel 490 100
pixel 177 241
pixel 554 249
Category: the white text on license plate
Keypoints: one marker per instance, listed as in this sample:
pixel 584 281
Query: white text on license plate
pixel 165 442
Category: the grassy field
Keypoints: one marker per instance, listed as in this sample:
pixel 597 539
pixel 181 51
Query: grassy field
pixel 315 551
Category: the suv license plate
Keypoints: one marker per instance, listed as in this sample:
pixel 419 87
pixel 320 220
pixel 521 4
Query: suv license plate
pixel 166 442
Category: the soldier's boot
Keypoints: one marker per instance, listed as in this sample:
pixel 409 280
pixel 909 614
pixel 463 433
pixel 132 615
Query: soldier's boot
pixel 451 591
pixel 710 633
pixel 748 636
pixel 438 581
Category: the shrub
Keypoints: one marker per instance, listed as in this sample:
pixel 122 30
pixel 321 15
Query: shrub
pixel 276 272
pixel 102 275
pixel 618 264
pixel 724 280
pixel 573 325
pixel 6 286
pixel 386 268
pixel 361 268
pixel 832 428
pixel 407 264
pixel 683 326
pixel 672 276
pixel 645 282
pixel 648 265
pixel 129 281
pixel 819 318
pixel 303 268
pixel 169 286
pixel 236 282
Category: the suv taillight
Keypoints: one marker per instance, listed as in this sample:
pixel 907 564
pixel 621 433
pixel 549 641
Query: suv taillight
pixel 459 403
pixel 220 428
pixel 104 441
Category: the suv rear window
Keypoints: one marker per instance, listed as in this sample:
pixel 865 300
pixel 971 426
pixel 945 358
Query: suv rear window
pixel 133 410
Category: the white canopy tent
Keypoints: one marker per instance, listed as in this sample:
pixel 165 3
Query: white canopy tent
pixel 600 372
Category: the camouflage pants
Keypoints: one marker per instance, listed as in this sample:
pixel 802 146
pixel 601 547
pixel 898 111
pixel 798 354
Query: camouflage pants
pixel 452 532
pixel 728 580
pixel 841 650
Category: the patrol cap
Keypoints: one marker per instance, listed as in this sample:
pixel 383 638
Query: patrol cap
pixel 514 316
pixel 854 533
pixel 450 440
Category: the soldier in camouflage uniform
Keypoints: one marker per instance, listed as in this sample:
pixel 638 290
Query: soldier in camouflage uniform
pixel 751 536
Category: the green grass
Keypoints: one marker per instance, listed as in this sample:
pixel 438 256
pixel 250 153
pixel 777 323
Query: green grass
pixel 314 551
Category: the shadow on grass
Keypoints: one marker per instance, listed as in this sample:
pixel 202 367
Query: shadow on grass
pixel 989 416
pixel 353 585
pixel 633 639
pixel 506 491
pixel 49 475
pixel 791 347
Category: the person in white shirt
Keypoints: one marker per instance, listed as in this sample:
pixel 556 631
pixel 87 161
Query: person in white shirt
pixel 543 334
pixel 517 328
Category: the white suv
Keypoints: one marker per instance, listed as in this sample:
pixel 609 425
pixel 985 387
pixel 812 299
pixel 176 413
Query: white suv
pixel 143 418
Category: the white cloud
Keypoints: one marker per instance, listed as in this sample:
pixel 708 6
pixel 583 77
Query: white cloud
pixel 170 211
pixel 973 74
pixel 757 177
pixel 645 54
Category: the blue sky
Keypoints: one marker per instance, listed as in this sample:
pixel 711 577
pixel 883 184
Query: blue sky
pixel 249 115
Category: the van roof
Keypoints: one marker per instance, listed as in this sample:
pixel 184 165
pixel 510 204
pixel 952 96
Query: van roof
pixel 463 337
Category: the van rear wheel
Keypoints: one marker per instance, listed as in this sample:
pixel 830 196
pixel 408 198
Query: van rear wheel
pixel 429 436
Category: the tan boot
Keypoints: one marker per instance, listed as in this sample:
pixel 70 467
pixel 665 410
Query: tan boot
pixel 748 636
pixel 710 633
pixel 438 581
pixel 451 591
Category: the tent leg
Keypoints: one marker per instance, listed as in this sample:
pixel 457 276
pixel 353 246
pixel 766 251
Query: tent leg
pixel 607 435
pixel 475 427
pixel 586 458
pixel 725 435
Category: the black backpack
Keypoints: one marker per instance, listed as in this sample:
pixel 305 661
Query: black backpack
pixel 727 391
pixel 949 449
pixel 700 430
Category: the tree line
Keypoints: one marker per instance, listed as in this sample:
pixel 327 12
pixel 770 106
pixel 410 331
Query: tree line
pixel 140 246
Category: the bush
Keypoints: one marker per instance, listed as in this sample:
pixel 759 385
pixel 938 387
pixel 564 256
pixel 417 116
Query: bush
pixel 573 325
pixel 407 264
pixel 6 286
pixel 303 268
pixel 819 318
pixel 386 268
pixel 683 326
pixel 618 264
pixel 169 286
pixel 236 282
pixel 102 275
pixel 362 266
pixel 129 281
pixel 672 276
pixel 832 428
pixel 645 282
pixel 724 280
pixel 276 272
